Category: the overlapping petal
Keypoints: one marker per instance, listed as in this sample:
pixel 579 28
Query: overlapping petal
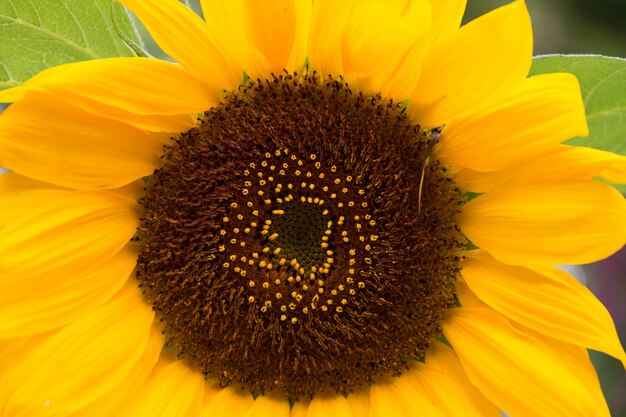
pixel 450 86
pixel 64 257
pixel 538 114
pixel 368 42
pixel 552 222
pixel 522 373
pixel 189 40
pixel 81 362
pixel 56 142
pixel 545 299
pixel 260 37
pixel 173 391
pixel 146 93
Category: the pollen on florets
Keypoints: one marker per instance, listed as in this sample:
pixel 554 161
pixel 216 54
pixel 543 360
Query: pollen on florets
pixel 282 246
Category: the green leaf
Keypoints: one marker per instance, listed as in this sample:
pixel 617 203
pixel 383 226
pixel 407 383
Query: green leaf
pixel 603 84
pixel 38 34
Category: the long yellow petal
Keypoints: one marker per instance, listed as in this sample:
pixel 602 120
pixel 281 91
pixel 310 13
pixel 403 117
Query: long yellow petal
pixel 229 401
pixel 112 403
pixel 544 111
pixel 524 375
pixel 81 362
pixel 269 405
pixel 186 38
pixel 484 58
pixel 443 358
pixel 147 93
pixel 175 391
pixel 42 303
pixel 261 37
pixel 559 162
pixel 545 299
pixel 554 222
pixel 62 144
pixel 367 42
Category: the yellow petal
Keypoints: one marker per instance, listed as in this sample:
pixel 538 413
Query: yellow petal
pixel 112 403
pixel 439 387
pixel 479 62
pixel 269 405
pixel 368 41
pixel 81 362
pixel 261 37
pixel 542 112
pixel 175 391
pixel 186 38
pixel 545 299
pixel 11 95
pixel 324 405
pixel 360 401
pixel 56 142
pixel 555 222
pixel 443 358
pixel 400 80
pixel 147 93
pixel 53 229
pixel 300 408
pixel 562 161
pixel 384 402
pixel 229 401
pixel 41 303
pixel 522 374
pixel 377 39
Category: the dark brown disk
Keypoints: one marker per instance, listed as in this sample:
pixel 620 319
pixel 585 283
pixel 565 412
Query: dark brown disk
pixel 284 245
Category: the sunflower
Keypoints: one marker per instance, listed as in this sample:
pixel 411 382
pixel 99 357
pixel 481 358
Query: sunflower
pixel 322 209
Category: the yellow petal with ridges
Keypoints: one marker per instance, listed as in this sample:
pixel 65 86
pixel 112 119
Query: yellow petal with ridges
pixel 545 299
pixel 147 93
pixel 186 37
pixel 324 405
pixel 261 37
pixel 56 142
pixel 11 95
pixel 61 229
pixel 400 80
pixel 229 401
pixel 493 53
pixel 112 403
pixel 359 401
pixel 377 39
pixel 439 387
pixel 42 303
pixel 269 405
pixel 524 375
pixel 175 391
pixel 559 162
pixel 402 397
pixel 542 112
pixel 81 362
pixel 443 358
pixel 347 39
pixel 550 222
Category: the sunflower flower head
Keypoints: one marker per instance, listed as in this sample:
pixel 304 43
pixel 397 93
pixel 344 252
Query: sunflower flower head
pixel 346 209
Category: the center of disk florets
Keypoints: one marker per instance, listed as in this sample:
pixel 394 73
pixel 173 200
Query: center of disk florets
pixel 297 240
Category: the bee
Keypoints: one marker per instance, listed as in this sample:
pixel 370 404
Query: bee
pixel 432 136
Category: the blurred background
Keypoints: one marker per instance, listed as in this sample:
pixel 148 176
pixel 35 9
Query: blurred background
pixel 586 27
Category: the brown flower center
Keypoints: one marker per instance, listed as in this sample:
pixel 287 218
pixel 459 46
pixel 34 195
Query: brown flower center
pixel 289 243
